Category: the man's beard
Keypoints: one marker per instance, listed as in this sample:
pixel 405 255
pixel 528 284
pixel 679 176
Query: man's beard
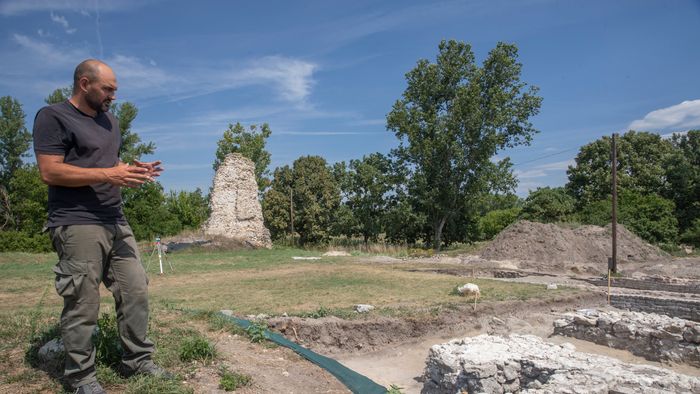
pixel 96 105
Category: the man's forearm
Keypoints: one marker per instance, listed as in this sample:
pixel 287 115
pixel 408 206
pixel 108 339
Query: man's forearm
pixel 62 174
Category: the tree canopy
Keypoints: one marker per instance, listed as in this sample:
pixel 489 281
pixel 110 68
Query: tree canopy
pixel 454 116
pixel 250 144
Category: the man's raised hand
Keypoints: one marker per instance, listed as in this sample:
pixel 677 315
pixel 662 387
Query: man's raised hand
pixel 153 167
pixel 127 176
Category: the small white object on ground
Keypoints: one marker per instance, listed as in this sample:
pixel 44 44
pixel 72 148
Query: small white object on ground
pixel 363 308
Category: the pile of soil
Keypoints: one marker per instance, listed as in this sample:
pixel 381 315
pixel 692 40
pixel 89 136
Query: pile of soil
pixel 567 247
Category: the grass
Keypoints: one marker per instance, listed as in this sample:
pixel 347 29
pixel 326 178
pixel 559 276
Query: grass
pixel 231 380
pixel 245 281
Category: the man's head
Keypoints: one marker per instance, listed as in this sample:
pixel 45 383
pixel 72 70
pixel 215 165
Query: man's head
pixel 95 83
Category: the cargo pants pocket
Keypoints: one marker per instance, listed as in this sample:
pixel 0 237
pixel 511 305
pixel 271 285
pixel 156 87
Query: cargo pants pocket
pixel 70 275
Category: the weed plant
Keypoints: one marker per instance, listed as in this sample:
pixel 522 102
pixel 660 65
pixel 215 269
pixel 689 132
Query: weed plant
pixel 197 348
pixel 231 381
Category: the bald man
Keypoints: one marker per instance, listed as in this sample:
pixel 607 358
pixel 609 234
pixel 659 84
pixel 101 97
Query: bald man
pixel 77 146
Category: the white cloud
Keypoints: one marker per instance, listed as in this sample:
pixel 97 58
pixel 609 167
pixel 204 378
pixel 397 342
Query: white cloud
pixel 47 53
pixel 557 165
pixel 18 7
pixel 527 174
pixel 136 75
pixel 61 20
pixel 291 77
pixel 683 116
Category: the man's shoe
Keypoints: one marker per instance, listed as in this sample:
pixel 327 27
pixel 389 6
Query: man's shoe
pixel 90 388
pixel 154 370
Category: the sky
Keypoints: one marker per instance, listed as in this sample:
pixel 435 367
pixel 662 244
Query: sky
pixel 324 74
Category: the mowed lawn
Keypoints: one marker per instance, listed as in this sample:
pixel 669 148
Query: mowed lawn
pixel 262 281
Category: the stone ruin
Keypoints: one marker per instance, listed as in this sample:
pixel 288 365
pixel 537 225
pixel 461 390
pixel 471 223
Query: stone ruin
pixel 236 213
pixel 654 337
pixel 527 364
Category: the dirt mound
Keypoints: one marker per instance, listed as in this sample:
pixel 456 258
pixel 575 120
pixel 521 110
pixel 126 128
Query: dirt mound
pixel 568 247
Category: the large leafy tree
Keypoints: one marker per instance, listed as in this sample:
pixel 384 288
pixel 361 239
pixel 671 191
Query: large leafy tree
pixel 453 117
pixel 132 148
pixel 14 138
pixel 365 188
pixel 641 166
pixel 277 203
pixel 28 199
pixel 147 212
pixel 648 215
pixel 683 177
pixel 310 192
pixel 191 208
pixel 249 143
pixel 59 95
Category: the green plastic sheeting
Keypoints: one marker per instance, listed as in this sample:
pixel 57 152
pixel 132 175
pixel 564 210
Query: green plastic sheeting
pixel 358 384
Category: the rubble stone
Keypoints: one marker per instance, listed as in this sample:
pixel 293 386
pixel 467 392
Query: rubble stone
pixel 479 365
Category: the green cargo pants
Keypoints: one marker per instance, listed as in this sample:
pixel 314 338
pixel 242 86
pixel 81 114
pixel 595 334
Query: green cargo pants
pixel 89 254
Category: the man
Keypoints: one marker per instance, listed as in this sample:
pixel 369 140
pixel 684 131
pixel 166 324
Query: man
pixel 77 146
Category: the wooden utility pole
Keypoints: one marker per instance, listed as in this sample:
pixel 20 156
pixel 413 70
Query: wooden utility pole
pixel 613 265
pixel 291 211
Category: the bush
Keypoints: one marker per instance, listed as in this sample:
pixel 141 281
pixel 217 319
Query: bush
pixel 650 216
pixel 495 221
pixel 548 205
pixel 18 241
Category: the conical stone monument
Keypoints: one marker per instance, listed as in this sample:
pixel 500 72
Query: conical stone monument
pixel 235 210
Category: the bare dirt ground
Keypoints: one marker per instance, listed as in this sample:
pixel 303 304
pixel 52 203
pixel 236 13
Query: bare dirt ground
pixel 273 370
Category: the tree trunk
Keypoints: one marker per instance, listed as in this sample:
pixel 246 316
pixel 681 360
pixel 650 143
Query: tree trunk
pixel 437 240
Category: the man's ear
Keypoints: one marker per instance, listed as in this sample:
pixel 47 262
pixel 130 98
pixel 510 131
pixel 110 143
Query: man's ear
pixel 83 83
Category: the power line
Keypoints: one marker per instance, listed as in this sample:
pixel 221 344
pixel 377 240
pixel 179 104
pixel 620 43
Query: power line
pixel 545 156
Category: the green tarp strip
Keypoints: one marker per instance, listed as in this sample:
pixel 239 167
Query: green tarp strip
pixel 358 384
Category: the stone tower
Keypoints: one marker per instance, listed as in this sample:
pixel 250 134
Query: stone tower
pixel 235 208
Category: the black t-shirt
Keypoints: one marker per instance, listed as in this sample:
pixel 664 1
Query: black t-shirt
pixel 83 141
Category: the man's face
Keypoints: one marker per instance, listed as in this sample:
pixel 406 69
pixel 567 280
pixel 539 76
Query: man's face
pixel 102 91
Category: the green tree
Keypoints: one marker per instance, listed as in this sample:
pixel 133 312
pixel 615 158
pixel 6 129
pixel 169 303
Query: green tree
pixel 191 208
pixel 641 158
pixel 277 203
pixel 59 95
pixel 315 196
pixel 691 236
pixel 495 221
pixel 132 148
pixel 650 216
pixel 250 144
pixel 453 117
pixel 365 187
pixel 147 212
pixel 14 138
pixel 28 199
pixel 683 178
pixel 402 223
pixel 548 205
